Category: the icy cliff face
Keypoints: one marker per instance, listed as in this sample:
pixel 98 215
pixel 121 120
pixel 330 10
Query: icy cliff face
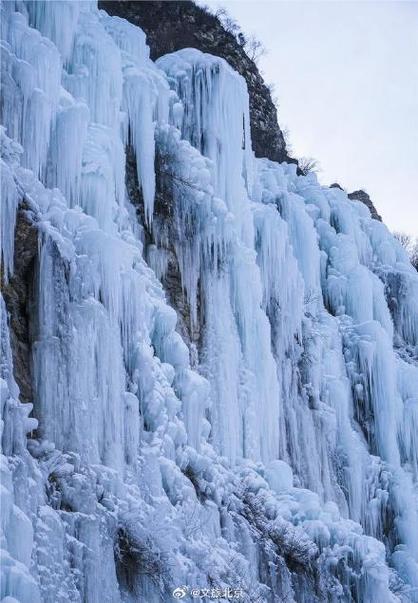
pixel 272 449
pixel 186 24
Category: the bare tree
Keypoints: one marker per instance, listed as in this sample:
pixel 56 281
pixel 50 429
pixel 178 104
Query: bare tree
pixel 286 136
pixel 410 245
pixel 404 239
pixel 308 165
pixel 273 93
pixel 227 21
pixel 254 48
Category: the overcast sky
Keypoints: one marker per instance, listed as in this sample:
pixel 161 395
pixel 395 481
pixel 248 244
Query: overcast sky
pixel 346 77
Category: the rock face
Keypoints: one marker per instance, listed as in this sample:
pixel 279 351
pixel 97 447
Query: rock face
pixel 170 26
pixel 362 196
pixel 163 214
pixel 17 294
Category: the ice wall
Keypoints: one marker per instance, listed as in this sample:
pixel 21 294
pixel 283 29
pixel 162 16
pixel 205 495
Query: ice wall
pixel 236 351
pixel 276 451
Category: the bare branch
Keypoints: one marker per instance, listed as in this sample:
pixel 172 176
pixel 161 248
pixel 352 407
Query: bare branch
pixel 410 245
pixel 254 48
pixel 308 165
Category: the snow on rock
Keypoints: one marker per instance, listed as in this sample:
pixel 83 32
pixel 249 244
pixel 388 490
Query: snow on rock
pixel 276 451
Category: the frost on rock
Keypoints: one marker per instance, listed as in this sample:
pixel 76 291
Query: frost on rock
pixel 273 448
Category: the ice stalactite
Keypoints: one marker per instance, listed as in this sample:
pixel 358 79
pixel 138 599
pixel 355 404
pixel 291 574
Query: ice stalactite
pixel 10 198
pixel 236 353
pixel 274 448
pixel 360 375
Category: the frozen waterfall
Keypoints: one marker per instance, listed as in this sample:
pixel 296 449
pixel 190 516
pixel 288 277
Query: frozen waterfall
pixel 223 355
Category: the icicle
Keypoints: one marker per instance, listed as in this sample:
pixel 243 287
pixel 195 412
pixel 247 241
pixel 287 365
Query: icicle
pixel 129 38
pixel 102 180
pixel 56 20
pixel 216 107
pixel 300 424
pixel 33 70
pixel 66 148
pixel 9 203
pixel 95 73
pixel 146 97
pixel 139 106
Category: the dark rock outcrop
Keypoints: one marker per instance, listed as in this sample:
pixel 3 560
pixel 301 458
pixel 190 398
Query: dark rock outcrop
pixel 170 26
pixel 17 294
pixel 362 196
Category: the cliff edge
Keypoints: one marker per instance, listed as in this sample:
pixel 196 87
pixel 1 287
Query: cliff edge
pixel 171 26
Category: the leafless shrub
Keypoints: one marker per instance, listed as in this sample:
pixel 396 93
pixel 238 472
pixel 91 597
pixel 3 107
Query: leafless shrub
pixel 290 541
pixel 310 297
pixel 192 520
pixel 295 545
pixel 308 165
pixel 286 136
pixel 410 245
pixel 228 22
pixel 404 239
pixel 138 553
pixel 254 48
pixel 274 97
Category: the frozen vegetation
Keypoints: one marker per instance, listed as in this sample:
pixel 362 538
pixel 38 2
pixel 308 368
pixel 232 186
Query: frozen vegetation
pixel 270 444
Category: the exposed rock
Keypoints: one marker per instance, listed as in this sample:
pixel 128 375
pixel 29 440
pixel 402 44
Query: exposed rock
pixel 170 26
pixel 171 279
pixel 17 295
pixel 362 196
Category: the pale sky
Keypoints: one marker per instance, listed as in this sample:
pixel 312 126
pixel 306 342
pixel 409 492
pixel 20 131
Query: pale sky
pixel 346 77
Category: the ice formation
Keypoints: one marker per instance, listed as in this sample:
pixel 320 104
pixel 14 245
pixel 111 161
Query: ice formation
pixel 264 437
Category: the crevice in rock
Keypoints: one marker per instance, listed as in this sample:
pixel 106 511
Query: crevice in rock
pixel 162 220
pixel 18 295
